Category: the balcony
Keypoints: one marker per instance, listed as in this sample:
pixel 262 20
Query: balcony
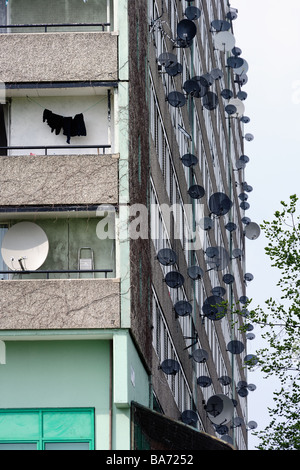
pixel 58 41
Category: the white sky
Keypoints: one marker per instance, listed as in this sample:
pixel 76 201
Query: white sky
pixel 268 33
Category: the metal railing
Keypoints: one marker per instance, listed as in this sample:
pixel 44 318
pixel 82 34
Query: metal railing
pixel 55 25
pixel 53 147
pixel 67 271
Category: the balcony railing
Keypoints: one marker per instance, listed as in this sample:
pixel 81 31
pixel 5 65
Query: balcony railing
pixel 54 147
pixel 48 272
pixel 101 26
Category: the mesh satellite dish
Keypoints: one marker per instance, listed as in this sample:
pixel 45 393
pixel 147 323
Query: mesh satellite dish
pixel 227 94
pixel 224 41
pixel 220 25
pixel 167 257
pixel 167 59
pixel 195 273
pixel 189 160
pixel 170 366
pixel 186 30
pixel 196 191
pixel 228 279
pixel 191 87
pixel 235 347
pixel 252 231
pixel 200 356
pixel 183 308
pixel 218 258
pixel 219 291
pixel 210 101
pixel 225 380
pixel 220 409
pixel 206 223
pixel 231 226
pixel 176 99
pixel 189 417
pixel 213 308
pixel 174 70
pixel 219 204
pixel 204 381
pixel 192 13
pixel 174 279
pixel 25 246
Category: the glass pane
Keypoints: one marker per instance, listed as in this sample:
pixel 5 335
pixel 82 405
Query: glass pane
pixel 18 446
pixel 67 446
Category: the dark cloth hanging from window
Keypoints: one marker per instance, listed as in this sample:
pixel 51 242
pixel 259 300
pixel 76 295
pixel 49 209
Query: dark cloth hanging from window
pixel 71 127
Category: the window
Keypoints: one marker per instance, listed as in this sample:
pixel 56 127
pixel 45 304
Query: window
pixel 47 429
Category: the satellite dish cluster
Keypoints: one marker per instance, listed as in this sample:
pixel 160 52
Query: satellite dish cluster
pixel 219 408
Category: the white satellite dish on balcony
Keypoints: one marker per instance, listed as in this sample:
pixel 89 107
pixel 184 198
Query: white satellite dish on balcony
pixel 25 247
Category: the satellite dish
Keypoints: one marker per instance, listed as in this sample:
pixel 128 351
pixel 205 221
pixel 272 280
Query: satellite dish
pixel 243 299
pixel 237 422
pixel 241 79
pixel 206 223
pixel 240 107
pixel 243 392
pixel 192 13
pixel 189 417
pixel 227 439
pixel 245 119
pixel 222 430
pixel 249 137
pixel 210 101
pixel 231 226
pixel 235 62
pixel 218 258
pixel 224 41
pixel 243 69
pixel 228 279
pixel 245 206
pixel 230 109
pixel 252 231
pixel 251 360
pixel 237 253
pixel 213 308
pixel 167 257
pixel 236 51
pixel 246 220
pixel 186 30
pixel 251 387
pixel 248 188
pixel 252 425
pixel 170 367
pixel 206 80
pixel 196 191
pixel 195 273
pixel 203 87
pixel 227 94
pixel 220 25
pixel 200 355
pixel 189 160
pixel 250 336
pixel 243 197
pixel 174 279
pixel 167 59
pixel 225 380
pixel 218 291
pixel 183 308
pixel 173 70
pixel 217 74
pixel 176 99
pixel 220 409
pixel 204 381
pixel 249 327
pixel 191 87
pixel 220 204
pixel 235 347
pixel 240 165
pixel 25 246
pixel 242 95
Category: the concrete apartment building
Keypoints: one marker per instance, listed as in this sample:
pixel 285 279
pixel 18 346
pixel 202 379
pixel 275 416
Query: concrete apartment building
pixel 110 337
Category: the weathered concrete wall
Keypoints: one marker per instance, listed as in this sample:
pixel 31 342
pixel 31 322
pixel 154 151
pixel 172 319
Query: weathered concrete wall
pixel 69 57
pixel 59 179
pixel 53 304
